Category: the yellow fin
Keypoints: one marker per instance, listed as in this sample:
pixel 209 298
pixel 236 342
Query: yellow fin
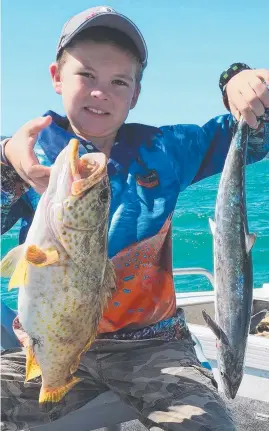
pixel 19 276
pixel 56 394
pixel 76 363
pixel 9 262
pixel 89 343
pixel 38 257
pixel 32 368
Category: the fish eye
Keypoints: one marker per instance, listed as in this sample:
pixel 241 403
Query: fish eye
pixel 103 197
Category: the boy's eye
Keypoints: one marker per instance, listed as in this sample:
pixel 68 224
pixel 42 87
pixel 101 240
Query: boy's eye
pixel 86 74
pixel 120 82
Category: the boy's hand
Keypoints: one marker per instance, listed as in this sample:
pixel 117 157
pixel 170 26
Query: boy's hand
pixel 19 151
pixel 248 95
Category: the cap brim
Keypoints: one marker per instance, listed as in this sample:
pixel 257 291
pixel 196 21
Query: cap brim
pixel 119 22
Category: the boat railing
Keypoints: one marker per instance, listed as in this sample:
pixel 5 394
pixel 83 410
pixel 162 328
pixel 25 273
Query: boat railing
pixel 195 271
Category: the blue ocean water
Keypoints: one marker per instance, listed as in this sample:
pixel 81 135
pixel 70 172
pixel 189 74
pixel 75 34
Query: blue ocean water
pixel 192 239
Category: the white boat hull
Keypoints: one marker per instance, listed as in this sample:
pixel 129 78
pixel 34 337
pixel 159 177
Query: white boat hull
pixel 255 383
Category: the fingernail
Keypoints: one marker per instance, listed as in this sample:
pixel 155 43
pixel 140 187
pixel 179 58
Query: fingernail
pixel 256 125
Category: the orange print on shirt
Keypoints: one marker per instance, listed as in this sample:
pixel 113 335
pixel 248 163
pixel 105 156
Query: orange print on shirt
pixel 145 289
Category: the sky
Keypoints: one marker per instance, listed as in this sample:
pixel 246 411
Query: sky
pixel 190 43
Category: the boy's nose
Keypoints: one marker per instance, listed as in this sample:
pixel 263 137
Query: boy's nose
pixel 99 94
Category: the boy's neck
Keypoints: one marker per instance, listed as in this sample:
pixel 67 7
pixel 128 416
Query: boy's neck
pixel 103 144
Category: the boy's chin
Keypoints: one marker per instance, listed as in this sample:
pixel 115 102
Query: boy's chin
pixel 86 127
pixel 88 133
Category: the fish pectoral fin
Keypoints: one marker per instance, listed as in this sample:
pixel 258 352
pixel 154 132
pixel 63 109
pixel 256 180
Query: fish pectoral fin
pixel 19 276
pixel 212 225
pixel 54 395
pixel 216 329
pixel 256 319
pixel 38 257
pixel 250 241
pixel 10 261
pixel 32 368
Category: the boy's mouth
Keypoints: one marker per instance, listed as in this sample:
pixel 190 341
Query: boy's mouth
pixel 96 111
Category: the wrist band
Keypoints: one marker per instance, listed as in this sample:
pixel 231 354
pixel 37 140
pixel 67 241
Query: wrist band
pixel 225 77
pixel 4 160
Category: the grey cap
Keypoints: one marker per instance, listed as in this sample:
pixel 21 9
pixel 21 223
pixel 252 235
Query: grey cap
pixel 107 17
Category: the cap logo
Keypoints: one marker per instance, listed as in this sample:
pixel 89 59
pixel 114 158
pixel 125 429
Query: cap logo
pixel 98 11
pixel 91 15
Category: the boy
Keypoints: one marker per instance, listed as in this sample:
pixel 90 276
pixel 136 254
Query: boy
pixel 144 351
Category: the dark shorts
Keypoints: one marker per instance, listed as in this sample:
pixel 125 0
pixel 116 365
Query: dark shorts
pixel 162 380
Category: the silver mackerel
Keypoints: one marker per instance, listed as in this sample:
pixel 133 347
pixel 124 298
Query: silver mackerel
pixel 232 266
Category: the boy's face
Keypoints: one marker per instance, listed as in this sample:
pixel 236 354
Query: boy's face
pixel 98 85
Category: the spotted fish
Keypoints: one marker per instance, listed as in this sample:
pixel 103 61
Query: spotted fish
pixel 63 272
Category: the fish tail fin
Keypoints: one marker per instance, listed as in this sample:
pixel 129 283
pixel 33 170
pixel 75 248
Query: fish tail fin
pixel 48 397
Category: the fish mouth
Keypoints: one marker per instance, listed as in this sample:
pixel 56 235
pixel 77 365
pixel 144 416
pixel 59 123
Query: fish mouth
pixel 87 170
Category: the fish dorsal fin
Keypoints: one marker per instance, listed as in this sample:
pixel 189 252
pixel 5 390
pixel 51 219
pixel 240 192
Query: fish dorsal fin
pixel 10 261
pixel 32 368
pixel 212 225
pixel 38 257
pixel 250 241
pixel 19 276
pixel 220 334
pixel 256 319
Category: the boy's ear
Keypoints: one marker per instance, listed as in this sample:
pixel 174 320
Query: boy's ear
pixel 56 79
pixel 135 96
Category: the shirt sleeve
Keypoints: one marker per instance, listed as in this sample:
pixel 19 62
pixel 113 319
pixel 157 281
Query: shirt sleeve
pixel 200 152
pixel 13 207
pixel 18 199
